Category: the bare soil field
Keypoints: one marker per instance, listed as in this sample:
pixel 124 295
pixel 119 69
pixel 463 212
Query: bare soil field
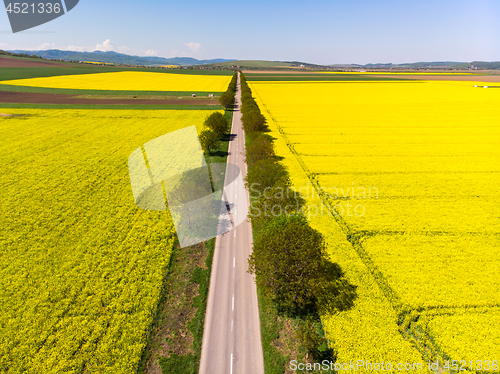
pixel 42 98
pixel 6 62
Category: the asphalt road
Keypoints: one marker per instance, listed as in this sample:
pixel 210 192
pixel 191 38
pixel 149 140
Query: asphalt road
pixel 232 341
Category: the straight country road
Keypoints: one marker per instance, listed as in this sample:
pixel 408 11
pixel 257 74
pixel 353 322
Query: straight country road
pixel 232 341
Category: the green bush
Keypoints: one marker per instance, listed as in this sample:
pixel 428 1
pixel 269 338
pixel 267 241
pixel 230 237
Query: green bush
pixel 227 99
pixel 254 121
pixel 218 124
pixel 273 201
pixel 288 259
pixel 265 174
pixel 209 140
pixel 311 337
pixel 260 148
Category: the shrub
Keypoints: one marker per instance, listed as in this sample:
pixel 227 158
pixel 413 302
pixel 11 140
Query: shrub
pixel 253 121
pixel 260 148
pixel 218 124
pixel 311 337
pixel 288 259
pixel 227 99
pixel 209 140
pixel 266 173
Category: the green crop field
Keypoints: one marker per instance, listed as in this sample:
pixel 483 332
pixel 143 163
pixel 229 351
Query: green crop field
pixel 111 107
pixel 67 91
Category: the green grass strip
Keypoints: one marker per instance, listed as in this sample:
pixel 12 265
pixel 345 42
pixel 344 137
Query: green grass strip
pixel 67 91
pixel 274 361
pixel 114 107
pixel 40 72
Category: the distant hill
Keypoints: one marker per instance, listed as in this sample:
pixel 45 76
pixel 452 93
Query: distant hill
pixel 262 64
pixel 120 58
pixel 117 58
pixel 409 66
pixel 297 65
pixel 486 65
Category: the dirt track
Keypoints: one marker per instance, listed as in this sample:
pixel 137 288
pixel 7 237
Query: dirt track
pixel 39 98
pixel 6 62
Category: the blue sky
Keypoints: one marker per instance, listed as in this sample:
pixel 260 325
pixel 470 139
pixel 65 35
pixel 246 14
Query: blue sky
pixel 323 32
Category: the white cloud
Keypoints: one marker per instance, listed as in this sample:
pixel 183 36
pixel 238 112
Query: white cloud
pixel 46 46
pixel 194 47
pixel 176 53
pixel 76 48
pixel 126 50
pixel 151 52
pixel 3 45
pixel 105 46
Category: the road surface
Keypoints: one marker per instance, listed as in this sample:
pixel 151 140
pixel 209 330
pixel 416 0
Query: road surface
pixel 231 341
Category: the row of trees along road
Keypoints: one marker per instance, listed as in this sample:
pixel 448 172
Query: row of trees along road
pixel 227 98
pixel 216 126
pixel 289 257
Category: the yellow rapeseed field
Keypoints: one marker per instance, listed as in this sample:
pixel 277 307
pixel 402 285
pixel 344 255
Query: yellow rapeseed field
pixel 410 173
pixel 470 335
pixel 81 267
pixel 130 81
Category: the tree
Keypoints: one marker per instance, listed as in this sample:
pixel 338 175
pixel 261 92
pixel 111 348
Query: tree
pixel 246 97
pixel 227 99
pixel 253 121
pixel 289 260
pixel 209 140
pixel 267 173
pixel 259 148
pixel 249 106
pixel 271 202
pixel 218 124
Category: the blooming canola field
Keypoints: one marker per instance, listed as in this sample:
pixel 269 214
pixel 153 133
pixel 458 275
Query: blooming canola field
pixel 81 267
pixel 425 244
pixel 130 81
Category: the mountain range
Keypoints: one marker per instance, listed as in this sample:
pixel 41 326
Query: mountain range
pixel 121 58
pixel 117 58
